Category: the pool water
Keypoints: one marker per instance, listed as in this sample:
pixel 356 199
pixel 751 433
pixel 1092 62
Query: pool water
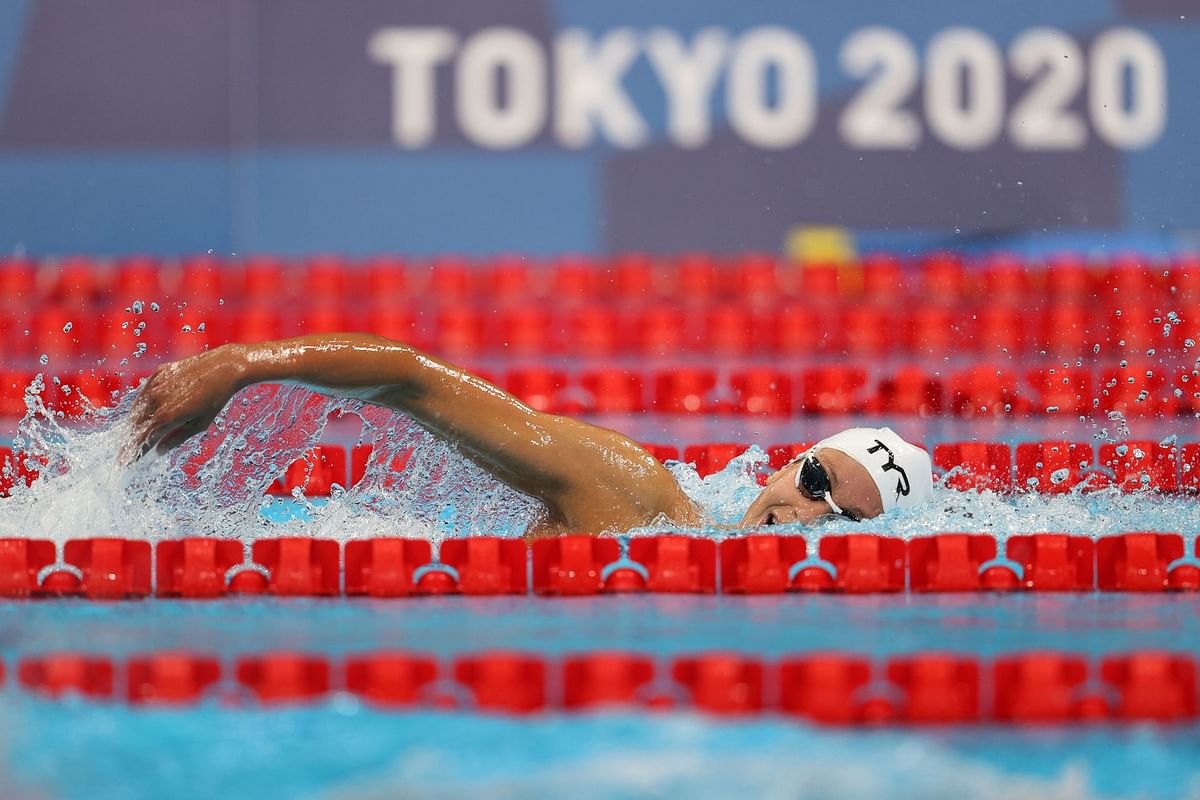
pixel 342 748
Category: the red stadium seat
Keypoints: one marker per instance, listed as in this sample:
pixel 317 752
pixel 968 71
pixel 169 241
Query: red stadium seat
pixel 323 316
pixel 593 331
pixel 803 329
pixel 575 278
pixel 721 684
pixel 762 391
pixel 684 390
pixel 834 390
pixel 326 278
pixel 985 390
pixel 883 278
pixel 18 282
pixel 204 278
pixel 936 688
pixel 1183 282
pixel 1138 330
pixel 975 465
pixel 390 679
pixel 78 281
pixel 1137 389
pixel 508 682
pixel 613 391
pixel 780 455
pixel 819 283
pixel 537 387
pixel 1038 687
pixel 257 324
pixel 508 279
pixel 1067 331
pixel 937 331
pixel 756 278
pixel 870 330
pixel 1006 280
pixel 948 562
pixel 449 279
pixel 661 330
pixel 458 331
pixel 393 321
pixel 387 281
pixel 605 679
pixel 696 277
pixel 138 278
pixel 1054 562
pixel 633 277
pixel 824 688
pixel 264 280
pixel 16 468
pixel 1131 279
pixel 64 335
pixel 732 329
pixel 526 330
pixel 942 278
pixel 1068 280
pixel 909 390
pixel 1062 390
pixel 1001 329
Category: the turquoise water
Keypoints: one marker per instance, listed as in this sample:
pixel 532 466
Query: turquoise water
pixel 339 748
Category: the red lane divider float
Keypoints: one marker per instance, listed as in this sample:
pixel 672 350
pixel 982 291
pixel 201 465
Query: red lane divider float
pixel 581 564
pixel 930 688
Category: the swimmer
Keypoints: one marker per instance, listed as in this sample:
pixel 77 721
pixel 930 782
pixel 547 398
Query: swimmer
pixel 587 478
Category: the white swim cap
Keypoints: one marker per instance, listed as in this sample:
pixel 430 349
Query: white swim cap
pixel 902 471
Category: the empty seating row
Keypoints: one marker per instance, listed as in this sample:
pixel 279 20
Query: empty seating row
pixel 792 329
pixel 942 277
pixel 826 688
pixel 582 565
pixel 1136 389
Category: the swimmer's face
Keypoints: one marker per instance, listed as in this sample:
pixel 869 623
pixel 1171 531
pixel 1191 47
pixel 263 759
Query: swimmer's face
pixel 781 502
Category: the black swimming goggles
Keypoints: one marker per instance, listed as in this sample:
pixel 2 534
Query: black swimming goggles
pixel 812 480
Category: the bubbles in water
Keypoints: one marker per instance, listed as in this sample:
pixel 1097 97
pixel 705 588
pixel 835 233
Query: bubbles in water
pixel 43 359
pixel 67 327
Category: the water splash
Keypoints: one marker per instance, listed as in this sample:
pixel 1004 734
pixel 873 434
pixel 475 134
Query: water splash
pixel 419 486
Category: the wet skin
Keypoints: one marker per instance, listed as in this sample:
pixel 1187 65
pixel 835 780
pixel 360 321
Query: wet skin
pixel 588 478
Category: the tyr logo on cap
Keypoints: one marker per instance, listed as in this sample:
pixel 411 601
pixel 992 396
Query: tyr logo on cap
pixel 902 486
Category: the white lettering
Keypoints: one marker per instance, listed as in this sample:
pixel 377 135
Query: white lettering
pixel 687 78
pixel 786 122
pixel 587 89
pixel 511 55
pixel 413 53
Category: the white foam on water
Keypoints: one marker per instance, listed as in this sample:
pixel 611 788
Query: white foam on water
pixel 214 485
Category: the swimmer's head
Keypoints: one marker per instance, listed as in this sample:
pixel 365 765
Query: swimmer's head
pixel 858 473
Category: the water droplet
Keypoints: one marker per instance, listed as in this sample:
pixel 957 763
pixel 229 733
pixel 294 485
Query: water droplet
pixel 1060 476
pixel 137 307
pixel 43 359
pixel 154 306
pixel 67 327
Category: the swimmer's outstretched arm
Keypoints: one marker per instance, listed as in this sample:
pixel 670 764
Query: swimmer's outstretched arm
pixel 589 478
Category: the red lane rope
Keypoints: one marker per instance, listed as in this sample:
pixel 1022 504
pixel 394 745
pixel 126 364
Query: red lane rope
pixel 829 688
pixel 580 564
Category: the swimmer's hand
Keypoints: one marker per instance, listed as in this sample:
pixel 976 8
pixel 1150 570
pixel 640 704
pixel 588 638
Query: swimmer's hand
pixel 182 399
